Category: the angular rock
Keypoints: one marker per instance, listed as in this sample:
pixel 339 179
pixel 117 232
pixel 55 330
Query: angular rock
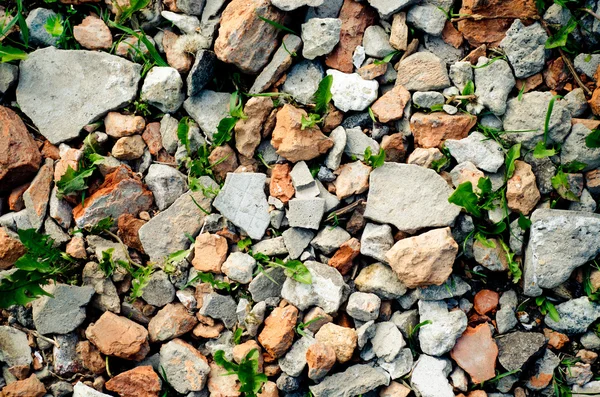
pixel 544 371
pixel 387 341
pixel 476 352
pixel 207 108
pixel 201 73
pixel 30 387
pixel 440 336
pixel 185 367
pixel 36 197
pixel 281 61
pixel 342 339
pixel 166 183
pixel 493 84
pixel 93 34
pixel 163 89
pixel 42 85
pixel 278 334
pixel 239 267
pixel 575 316
pixel 138 382
pixel 486 154
pixel 262 287
pixel 355 380
pixel 63 312
pixel 524 46
pixel 306 213
pixel 357 142
pixel 159 291
pixel 248 131
pixel 390 106
pixel 377 42
pixel 431 130
pixel 295 360
pixel 429 16
pixel 82 390
pixel 118 336
pixel 429 377
pixel 129 148
pixel 428 99
pixel 423 71
pixel 352 92
pixel 353 179
pixel 170 322
pixel 517 348
pixel 380 280
pixel 14 347
pixel 11 249
pixel 320 359
pixel 220 307
pixel 303 80
pixel 210 251
pixel 363 306
pixel 575 149
pixel 320 36
pixel 522 193
pixel 328 240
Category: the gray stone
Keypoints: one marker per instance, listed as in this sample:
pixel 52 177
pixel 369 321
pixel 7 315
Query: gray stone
pixel 530 114
pixel 65 359
pixel 544 169
pixel 303 181
pixel 188 24
pixel 590 340
pixel 16 220
pixel 352 92
pixel 306 213
pixel 446 52
pixel 251 319
pixel 166 183
pixel 239 267
pixel 270 246
pixel 576 315
pixel 461 73
pixel 429 377
pixel 9 74
pixel 56 233
pixel 587 390
pixel 543 366
pixel 377 42
pixel 587 64
pixel 220 307
pixel 202 72
pixel 406 321
pixel 106 298
pixel 190 377
pixel 63 312
pixel 453 287
pixel 43 84
pixel 82 390
pixel 281 61
pixel 208 108
pixel 168 133
pixel 327 290
pixel 61 389
pixel 296 240
pixel 492 256
pixel 387 8
pixel 459 379
pixel 331 200
pixel 303 80
pixel 575 149
pixel 287 383
pixel 556 14
pixel 329 9
pixel 387 341
pixel 427 17
pixel 320 36
pixel 329 239
pixel 364 333
pixel 576 102
pixel 427 99
pixel 559 242
pixel 525 48
pixel 363 306
pixel 163 89
pixel 486 154
pixel 357 379
pixel 420 196
pixel 166 232
pixel 269 285
pixel 294 361
pixel 493 84
pixel 586 203
pixel 357 142
pixel 242 200
pixel 517 348
pixel 517 237
pixel 159 291
pixel 289 5
pixel 380 280
pixel 446 327
pixel 38 35
pixel 334 156
pixel 14 347
pixel 60 210
pixel 191 7
pixel 401 365
pixel 376 240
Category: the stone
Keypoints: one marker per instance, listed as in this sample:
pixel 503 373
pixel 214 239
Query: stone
pixel 353 179
pixel 207 108
pixel 575 149
pixel 327 289
pixel 250 213
pixel 118 336
pixel 486 301
pixel 395 389
pixel 166 232
pixel 159 291
pixel 524 47
pixel 544 371
pixel 138 382
pixel 363 306
pixel 390 106
pixel 486 154
pixel 320 358
pixel 493 84
pixel 121 193
pixel 278 333
pixel 201 72
pixel 163 89
pixel 343 259
pixel 575 316
pixel 357 143
pixel 587 64
pixel 376 240
pixel 421 196
pixel 296 240
pixel 342 340
pixel 220 307
pixel 355 380
pixel 552 233
pixel 461 73
pixel 429 16
pixel 36 21
pixel 352 92
pixel 30 387
pixel 387 341
pixel 428 99
pixel 329 239
pixel 166 183
pixel 306 213
pixel 440 336
pixel 400 366
pixel 429 377
pixel 11 249
pixel 129 148
pixel 185 367
pixel 82 390
pixel 476 352
pixel 433 129
pixel 422 71
pixel 399 32
pixel 518 348
pixel 320 36
pixel 223 160
pixel 239 267
pixel 248 131
pixel 93 34
pixel 522 193
pixel 293 143
pixel 172 321
pixel 445 51
pixel 63 312
pixel 303 80
pixel 37 195
pixel 210 251
pixel 380 280
pixel 303 181
pixel 281 61
pixel 9 75
pixel 294 361
pixel 377 42
pixel 355 17
pixel 96 75
pixel 281 186
pixel 245 40
pixel 14 347
pixel 576 102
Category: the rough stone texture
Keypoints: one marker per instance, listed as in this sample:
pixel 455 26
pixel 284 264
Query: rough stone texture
pixel 93 34
pixel 118 336
pixel 421 196
pixel 432 129
pixel 63 312
pixel 380 280
pixel 320 359
pixel 440 336
pixel 82 390
pixel 303 80
pixel 544 371
pixel 201 73
pixel 575 149
pixel 19 156
pixel 207 108
pixel 363 306
pixel 320 36
pixel 355 380
pixel 170 322
pixel 166 183
pixel 163 88
pixel 429 377
pixel 11 249
pixel 30 387
pixel 352 92
pixel 486 154
pixel 423 71
pixel 248 131
pixel 522 193
pixel 138 382
pixel 184 366
pixel 278 333
pixel 14 348
pixel 36 197
pixel 517 348
pixel 493 84
pixel 42 84
pixel 220 307
pixel 295 360
pixel 245 40
pixel 281 61
pixel 353 179
pixel 559 242
pixel 239 267
pixel 281 186
pixel 210 251
pixel 390 106
pixel 476 352
pixel 524 46
pixel 342 339
pixel 576 316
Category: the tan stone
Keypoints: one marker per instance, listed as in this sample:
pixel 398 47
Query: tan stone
pixel 93 34
pixel 595 280
pixel 210 251
pixel 332 119
pixel 128 231
pixel 493 258
pixel 118 336
pixel 69 158
pixel 467 173
pixel 395 389
pixel 248 131
pixel 91 357
pixel 30 387
pixel 293 143
pixel 223 161
pixel 424 157
pixel 129 148
pixel 422 71
pixel 37 195
pixel 531 82
pixel 486 301
pixel 476 352
pixel 278 333
pixel 425 259
pixel 170 322
pixel 390 106
pixel 343 340
pixel 76 248
pixel 589 123
pixel 399 32
pixel 138 382
pixel 11 249
pixel 522 193
pixel 208 331
pixel 244 39
pixel 269 389
pixel 452 36
pixel 355 17
pixel 317 318
pixel 556 339
pixel 281 185
pixel 353 178
pixel 176 58
pixel 320 358
pixel 153 138
pixel 372 71
pixel 220 383
pixel 595 102
pixel 393 146
pixel 432 129
pixel 587 356
pixel 241 351
pixel 118 125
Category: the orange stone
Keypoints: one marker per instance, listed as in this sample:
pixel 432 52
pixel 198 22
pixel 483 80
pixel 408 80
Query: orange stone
pixel 452 36
pixel 476 352
pixel 10 250
pixel 343 258
pixel 119 336
pixel 278 334
pixel 556 340
pixel 30 387
pixel 281 185
pixel 390 106
pixel 595 102
pixel 486 301
pixel 137 382
pixel 210 251
pixel 432 129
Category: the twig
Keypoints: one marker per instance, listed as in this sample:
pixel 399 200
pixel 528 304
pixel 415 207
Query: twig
pixel 36 334
pixel 592 13
pixel 123 246
pixel 345 210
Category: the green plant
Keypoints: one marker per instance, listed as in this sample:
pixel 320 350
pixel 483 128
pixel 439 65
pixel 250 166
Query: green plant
pixel 439 165
pixel 251 380
pixel 54 25
pixel 593 139
pixel 244 244
pixel 107 264
pixel 124 13
pixel 74 181
pixel 388 58
pixel 276 24
pixel 155 57
pixel 542 149
pixel 372 115
pixel 293 268
pixel 499 376
pixel 210 279
pixel 559 39
pixel 560 183
pixel 593 295
pixel 140 278
pixel 322 98
pixel 412 336
pixel 374 160
pixel 547 307
pixel 104 224
pixel 513 266
pixel 310 121
pixel 226 125
pixel 302 326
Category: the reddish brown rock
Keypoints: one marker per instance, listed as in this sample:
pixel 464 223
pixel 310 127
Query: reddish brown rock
pixel 320 358
pixel 19 155
pixel 589 123
pixel 393 145
pixel 522 193
pixel 372 71
pixel 137 382
pixel 244 39
pixel 208 331
pixel 69 158
pixel 153 138
pixel 129 226
pixel 118 336
pixel 343 340
pixel 556 74
pixel 556 339
pixel 395 389
pixel 452 36
pixel 15 199
pixel 91 357
pixel 11 249
pixel 170 322
pixel 587 356
pixel 473 56
pixel 343 258
pixel 241 351
pixel 248 131
pixel 210 251
pixel 531 82
pixel 476 352
pixel 223 160
pixel 486 301
pixel 390 106
pixel 281 185
pixel 278 333
pixel 37 195
pixel 595 102
pixel 355 17
pixel 432 129
pixel 294 143
pixel 353 178
pixel 176 58
pixel 93 34
pixel 30 387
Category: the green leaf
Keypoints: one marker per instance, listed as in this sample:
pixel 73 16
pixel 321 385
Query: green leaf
pixel 464 197
pixel 244 243
pixel 178 256
pixel 484 185
pixel 593 140
pixel 183 129
pixel 237 336
pixel 574 166
pixel 276 25
pixel 54 25
pixel 158 60
pixel 310 122
pixel 8 53
pixel 134 6
pixel 140 280
pixel 323 95
pixel 374 161
pixel 548 115
pixel 372 115
pixel 107 264
pixel 513 267
pixel 22 22
pixel 469 88
pixel 484 240
pixel 521 92
pixel 541 151
pixel 220 359
pixel 552 312
pixel 388 58
pixel 559 39
pixel 236 106
pixel 22 287
pixel 210 279
pixel 513 154
pixel 295 270
pixel 560 183
pixel 73 181
pixel 223 134
pixel 524 222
